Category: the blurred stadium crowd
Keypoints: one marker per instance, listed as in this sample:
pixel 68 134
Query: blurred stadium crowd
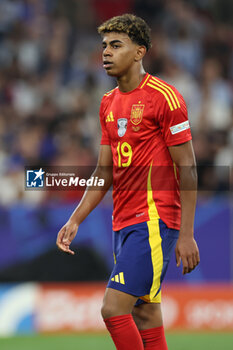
pixel 52 80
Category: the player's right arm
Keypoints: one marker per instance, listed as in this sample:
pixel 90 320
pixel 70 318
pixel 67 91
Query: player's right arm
pixel 91 198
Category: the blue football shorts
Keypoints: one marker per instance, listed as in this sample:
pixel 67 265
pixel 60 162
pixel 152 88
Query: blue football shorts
pixel 141 256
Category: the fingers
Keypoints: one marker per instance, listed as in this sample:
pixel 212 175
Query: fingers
pixel 187 251
pixel 185 265
pixel 67 234
pixel 198 257
pixel 178 258
pixel 63 242
pixel 190 262
pixel 65 247
pixel 60 236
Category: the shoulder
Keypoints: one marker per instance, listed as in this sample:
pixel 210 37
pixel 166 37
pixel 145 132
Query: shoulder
pixel 107 98
pixel 109 95
pixel 111 92
pixel 164 92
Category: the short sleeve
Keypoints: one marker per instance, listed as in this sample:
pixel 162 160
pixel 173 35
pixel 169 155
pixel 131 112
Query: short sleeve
pixel 104 138
pixel 174 122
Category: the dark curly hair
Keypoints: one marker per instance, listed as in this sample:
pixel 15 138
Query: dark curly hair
pixel 135 27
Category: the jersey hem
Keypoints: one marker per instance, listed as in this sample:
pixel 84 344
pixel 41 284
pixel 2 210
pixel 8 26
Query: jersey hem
pixel 128 223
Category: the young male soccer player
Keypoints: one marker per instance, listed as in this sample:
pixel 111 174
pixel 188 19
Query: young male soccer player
pixel 146 140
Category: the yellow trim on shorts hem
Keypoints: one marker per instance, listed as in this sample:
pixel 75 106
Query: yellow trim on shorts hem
pixel 155 300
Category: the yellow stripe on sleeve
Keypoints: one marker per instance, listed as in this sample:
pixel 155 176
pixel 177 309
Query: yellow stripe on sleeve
pixel 164 94
pixel 169 88
pixel 167 91
pixel 145 81
pixel 109 92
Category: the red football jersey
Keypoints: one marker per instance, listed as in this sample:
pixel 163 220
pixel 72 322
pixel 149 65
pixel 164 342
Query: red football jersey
pixel 140 125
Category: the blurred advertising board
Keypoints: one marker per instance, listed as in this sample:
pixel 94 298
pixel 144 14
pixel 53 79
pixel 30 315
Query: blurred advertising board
pixel 55 308
pixel 69 307
pixel 198 307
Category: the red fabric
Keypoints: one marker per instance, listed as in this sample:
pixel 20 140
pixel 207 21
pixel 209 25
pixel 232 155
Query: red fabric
pixel 140 126
pixel 154 339
pixel 124 332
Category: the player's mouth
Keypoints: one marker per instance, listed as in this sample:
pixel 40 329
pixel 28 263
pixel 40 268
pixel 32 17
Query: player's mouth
pixel 107 64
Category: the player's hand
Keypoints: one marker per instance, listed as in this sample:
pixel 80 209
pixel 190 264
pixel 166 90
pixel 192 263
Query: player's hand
pixel 187 252
pixel 65 237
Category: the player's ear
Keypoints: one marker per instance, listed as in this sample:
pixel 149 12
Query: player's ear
pixel 140 53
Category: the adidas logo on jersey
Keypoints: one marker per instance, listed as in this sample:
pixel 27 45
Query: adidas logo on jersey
pixel 110 117
pixel 119 278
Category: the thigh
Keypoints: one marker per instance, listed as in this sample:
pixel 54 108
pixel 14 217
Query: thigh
pixel 116 303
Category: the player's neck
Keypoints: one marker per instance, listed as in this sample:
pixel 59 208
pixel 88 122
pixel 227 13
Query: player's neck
pixel 131 80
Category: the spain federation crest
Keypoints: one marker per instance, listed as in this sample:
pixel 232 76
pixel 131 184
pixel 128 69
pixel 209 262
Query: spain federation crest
pixel 136 114
pixel 122 126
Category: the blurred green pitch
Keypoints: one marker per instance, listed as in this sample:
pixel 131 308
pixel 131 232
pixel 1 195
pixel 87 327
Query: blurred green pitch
pixel 176 341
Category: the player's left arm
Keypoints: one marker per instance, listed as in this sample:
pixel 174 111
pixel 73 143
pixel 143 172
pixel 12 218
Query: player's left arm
pixel 186 247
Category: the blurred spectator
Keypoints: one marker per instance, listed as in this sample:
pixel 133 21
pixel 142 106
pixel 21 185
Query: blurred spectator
pixel 216 98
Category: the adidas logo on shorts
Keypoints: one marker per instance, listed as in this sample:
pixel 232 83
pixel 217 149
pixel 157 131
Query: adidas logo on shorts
pixel 119 278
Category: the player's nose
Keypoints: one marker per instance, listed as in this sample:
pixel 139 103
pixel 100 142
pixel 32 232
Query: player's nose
pixel 107 52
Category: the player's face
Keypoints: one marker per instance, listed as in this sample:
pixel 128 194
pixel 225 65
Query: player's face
pixel 119 53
